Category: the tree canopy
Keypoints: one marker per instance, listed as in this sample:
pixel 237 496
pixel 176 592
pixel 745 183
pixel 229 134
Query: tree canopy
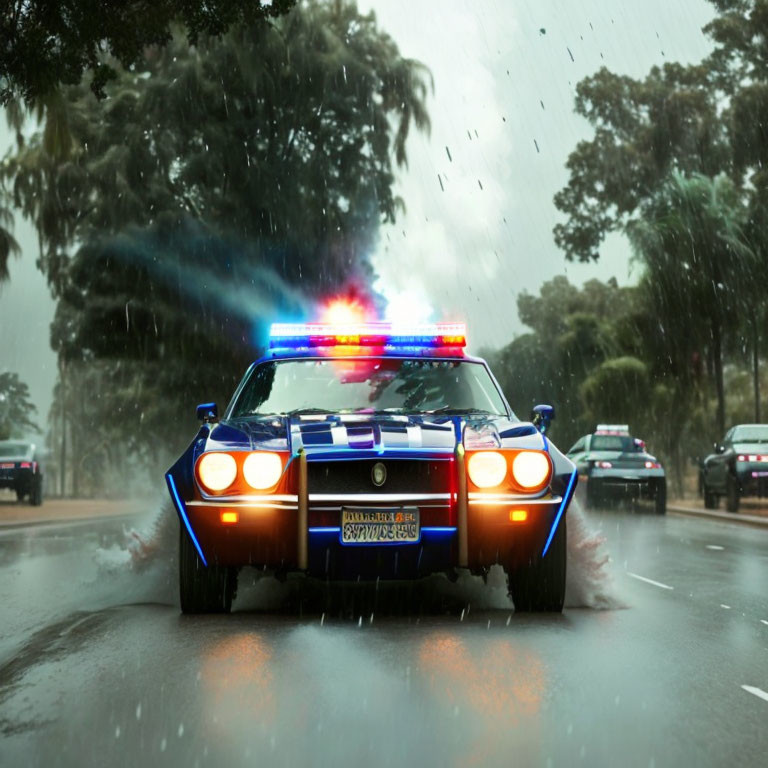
pixel 16 410
pixel 215 187
pixel 45 44
pixel 677 162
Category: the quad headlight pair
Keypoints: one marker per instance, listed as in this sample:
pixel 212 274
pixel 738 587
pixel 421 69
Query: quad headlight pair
pixel 261 470
pixel 529 470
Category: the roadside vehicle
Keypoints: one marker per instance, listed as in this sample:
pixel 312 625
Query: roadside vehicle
pixel 21 470
pixel 371 452
pixel 738 467
pixel 616 466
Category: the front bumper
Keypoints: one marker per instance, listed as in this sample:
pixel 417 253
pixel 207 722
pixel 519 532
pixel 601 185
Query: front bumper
pixel 625 483
pixel 269 532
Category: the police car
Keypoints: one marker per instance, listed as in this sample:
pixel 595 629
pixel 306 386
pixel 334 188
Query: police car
pixel 370 451
pixel 21 470
pixel 616 466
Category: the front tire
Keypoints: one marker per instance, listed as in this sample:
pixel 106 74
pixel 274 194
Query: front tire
pixel 711 500
pixel 36 494
pixel 732 494
pixel 203 589
pixel 540 585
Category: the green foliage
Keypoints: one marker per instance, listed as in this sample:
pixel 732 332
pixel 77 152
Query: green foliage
pixel 574 332
pixel 215 188
pixel 699 270
pixel 281 134
pixel 44 45
pixel 618 391
pixel 8 244
pixel 677 163
pixel 644 129
pixel 16 411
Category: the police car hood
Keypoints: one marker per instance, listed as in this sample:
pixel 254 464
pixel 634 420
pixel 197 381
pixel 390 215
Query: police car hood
pixel 412 433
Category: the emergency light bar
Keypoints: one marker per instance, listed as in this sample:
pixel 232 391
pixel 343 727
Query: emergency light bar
pixel 304 335
pixel 612 429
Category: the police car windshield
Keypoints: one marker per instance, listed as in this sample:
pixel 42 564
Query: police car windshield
pixel 13 449
pixel 391 385
pixel 622 443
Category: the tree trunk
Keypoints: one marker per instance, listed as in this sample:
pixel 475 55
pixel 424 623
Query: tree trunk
pixel 63 446
pixel 717 358
pixel 756 366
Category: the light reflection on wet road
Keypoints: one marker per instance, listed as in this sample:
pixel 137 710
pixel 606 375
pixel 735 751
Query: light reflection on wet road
pixel 87 679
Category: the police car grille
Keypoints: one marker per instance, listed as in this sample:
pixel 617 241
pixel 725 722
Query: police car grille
pixel 403 476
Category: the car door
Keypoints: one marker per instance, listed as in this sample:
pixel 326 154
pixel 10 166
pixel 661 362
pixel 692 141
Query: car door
pixel 716 464
pixel 578 454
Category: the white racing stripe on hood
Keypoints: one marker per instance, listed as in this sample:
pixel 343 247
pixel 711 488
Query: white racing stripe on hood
pixel 339 435
pixel 414 436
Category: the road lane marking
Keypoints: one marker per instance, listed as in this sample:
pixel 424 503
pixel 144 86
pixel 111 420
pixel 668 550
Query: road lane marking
pixel 764 621
pixel 649 581
pixel 716 547
pixel 761 694
pixel 727 607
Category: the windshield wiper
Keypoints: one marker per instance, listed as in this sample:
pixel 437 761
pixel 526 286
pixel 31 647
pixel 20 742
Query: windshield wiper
pixel 307 411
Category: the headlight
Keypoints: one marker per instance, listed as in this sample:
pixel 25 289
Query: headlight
pixel 217 470
pixel 530 469
pixel 262 470
pixel 487 469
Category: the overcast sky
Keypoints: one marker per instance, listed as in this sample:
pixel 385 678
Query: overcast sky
pixel 505 73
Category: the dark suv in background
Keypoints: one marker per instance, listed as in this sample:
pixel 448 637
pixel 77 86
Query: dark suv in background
pixel 738 467
pixel 21 470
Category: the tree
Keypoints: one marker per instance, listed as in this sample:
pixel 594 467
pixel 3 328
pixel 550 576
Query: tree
pixel 8 244
pixel 46 44
pixel 215 188
pixel 698 267
pixel 644 129
pixel 618 391
pixel 278 134
pixel 574 330
pixel 15 409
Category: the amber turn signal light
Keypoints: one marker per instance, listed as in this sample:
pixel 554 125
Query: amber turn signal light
pixel 228 517
pixel 518 515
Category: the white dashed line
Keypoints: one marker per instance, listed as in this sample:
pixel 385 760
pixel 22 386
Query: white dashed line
pixel 761 694
pixel 764 621
pixel 716 547
pixel 649 581
pixel 727 607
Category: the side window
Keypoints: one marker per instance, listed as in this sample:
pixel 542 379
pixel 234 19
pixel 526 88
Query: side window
pixel 729 436
pixel 579 446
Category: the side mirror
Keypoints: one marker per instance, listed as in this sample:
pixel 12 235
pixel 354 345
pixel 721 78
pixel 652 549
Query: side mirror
pixel 719 448
pixel 542 416
pixel 207 412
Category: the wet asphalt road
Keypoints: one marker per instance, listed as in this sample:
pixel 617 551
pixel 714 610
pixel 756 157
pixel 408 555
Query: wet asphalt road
pixel 98 668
